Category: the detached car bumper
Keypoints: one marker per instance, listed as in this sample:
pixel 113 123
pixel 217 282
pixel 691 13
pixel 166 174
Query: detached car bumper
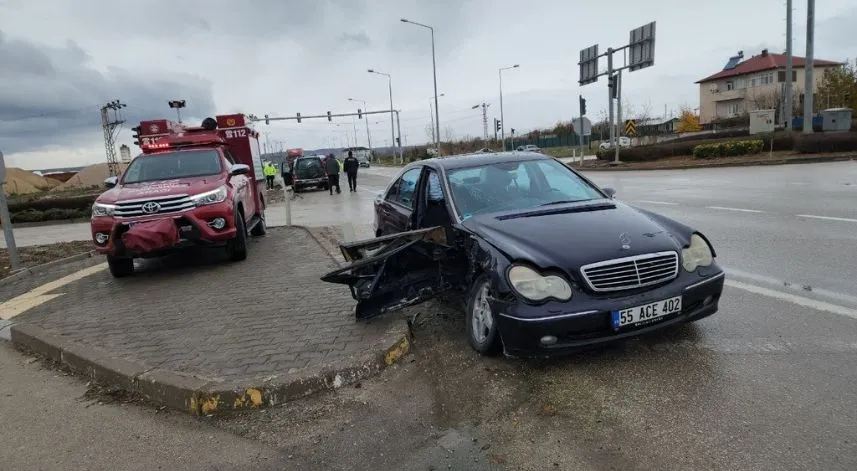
pixel 197 226
pixel 559 328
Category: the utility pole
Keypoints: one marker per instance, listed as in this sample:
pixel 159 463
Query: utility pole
pixel 484 117
pixel 809 65
pixel 788 105
pixel 109 124
pixel 6 220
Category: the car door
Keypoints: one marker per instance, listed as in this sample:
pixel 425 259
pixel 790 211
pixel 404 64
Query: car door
pixel 395 211
pixel 391 272
pixel 241 184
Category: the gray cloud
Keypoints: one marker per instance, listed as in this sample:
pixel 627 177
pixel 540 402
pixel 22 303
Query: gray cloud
pixel 359 40
pixel 51 96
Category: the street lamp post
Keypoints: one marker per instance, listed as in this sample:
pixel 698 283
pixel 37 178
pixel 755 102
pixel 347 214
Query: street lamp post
pixel 434 73
pixel 392 125
pixel 434 131
pixel 502 119
pixel 366 118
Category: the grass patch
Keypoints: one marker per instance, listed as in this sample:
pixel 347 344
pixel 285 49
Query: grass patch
pixel 38 254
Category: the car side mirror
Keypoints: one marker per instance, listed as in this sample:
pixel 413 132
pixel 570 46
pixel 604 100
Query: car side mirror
pixel 111 181
pixel 239 169
pixel 610 191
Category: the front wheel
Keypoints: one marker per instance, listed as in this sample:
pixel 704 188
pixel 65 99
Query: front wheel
pixel 481 323
pixel 120 267
pixel 237 247
pixel 260 228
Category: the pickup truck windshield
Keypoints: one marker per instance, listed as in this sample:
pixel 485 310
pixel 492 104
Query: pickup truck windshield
pixel 172 165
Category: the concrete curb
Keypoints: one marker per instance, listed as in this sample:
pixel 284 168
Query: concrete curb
pixel 38 269
pixel 754 163
pixel 198 396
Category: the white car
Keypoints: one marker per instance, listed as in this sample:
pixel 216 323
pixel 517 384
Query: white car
pixel 623 142
pixel 528 148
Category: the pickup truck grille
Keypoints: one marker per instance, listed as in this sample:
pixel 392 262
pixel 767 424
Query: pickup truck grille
pixel 631 272
pixel 144 207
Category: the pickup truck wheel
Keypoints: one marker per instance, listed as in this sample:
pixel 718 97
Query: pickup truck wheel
pixel 120 267
pixel 482 332
pixel 260 228
pixel 237 247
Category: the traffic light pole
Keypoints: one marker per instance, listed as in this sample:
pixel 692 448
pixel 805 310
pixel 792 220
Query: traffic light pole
pixel 580 142
pixel 618 85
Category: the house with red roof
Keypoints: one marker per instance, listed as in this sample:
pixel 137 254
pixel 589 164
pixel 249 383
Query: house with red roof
pixel 753 84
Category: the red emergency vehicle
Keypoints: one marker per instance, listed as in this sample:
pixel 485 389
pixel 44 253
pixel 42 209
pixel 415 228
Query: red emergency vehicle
pixel 192 185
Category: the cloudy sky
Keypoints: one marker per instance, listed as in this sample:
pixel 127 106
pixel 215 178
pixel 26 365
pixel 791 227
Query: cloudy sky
pixel 60 60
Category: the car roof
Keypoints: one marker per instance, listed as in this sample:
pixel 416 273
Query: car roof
pixel 478 159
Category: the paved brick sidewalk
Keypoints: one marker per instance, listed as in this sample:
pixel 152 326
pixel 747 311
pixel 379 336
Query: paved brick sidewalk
pixel 268 320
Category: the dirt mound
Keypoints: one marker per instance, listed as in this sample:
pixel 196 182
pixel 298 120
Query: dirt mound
pixel 91 176
pixel 22 182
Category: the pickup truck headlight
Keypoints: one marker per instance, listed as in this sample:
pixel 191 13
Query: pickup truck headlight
pixel 210 197
pixel 101 209
pixel 697 254
pixel 534 286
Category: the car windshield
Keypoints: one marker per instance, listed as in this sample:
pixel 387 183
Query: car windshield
pixel 172 165
pixel 511 186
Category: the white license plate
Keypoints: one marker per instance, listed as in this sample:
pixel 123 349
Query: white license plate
pixel 646 312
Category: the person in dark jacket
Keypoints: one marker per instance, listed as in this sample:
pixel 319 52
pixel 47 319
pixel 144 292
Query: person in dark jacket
pixel 351 165
pixel 331 166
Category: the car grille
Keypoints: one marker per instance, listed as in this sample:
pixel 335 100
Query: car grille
pixel 631 272
pixel 167 204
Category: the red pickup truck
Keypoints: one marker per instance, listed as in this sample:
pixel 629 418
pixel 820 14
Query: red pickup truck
pixel 190 186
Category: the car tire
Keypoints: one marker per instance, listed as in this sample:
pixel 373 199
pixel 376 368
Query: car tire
pixel 260 228
pixel 481 324
pixel 237 247
pixel 120 267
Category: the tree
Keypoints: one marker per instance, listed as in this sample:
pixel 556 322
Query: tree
pixel 688 121
pixel 838 88
pixel 430 133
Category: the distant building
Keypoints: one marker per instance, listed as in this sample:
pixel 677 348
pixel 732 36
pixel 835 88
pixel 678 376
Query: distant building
pixel 124 153
pixel 753 84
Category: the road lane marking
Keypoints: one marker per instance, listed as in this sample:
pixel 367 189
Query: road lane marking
pixel 827 218
pixel 791 285
pixel 794 299
pixel 38 296
pixel 656 202
pixel 742 210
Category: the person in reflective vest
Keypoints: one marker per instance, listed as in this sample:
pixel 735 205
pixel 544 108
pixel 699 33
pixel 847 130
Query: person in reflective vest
pixel 270 172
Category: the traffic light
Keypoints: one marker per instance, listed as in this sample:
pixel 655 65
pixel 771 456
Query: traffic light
pixel 328 116
pixel 136 135
pixel 299 117
pixel 399 141
pixel 611 84
pixel 359 113
pixel 582 106
pixel 267 121
pixel 497 124
pixel 513 131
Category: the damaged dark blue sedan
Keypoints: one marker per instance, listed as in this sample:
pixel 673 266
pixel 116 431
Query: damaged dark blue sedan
pixel 544 261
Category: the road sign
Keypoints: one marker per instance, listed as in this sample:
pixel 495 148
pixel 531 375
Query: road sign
pixel 587 126
pixel 641 47
pixel 588 65
pixel 631 127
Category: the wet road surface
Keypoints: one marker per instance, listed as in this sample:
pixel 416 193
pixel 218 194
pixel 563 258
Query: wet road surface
pixel 766 383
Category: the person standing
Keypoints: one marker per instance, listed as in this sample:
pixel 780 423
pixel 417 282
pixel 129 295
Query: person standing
pixel 351 165
pixel 270 172
pixel 331 165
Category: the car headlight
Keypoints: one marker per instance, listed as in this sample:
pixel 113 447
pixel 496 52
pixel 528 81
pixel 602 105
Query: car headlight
pixel 534 286
pixel 697 254
pixel 101 209
pixel 210 197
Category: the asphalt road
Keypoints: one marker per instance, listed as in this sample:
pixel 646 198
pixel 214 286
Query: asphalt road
pixel 766 383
